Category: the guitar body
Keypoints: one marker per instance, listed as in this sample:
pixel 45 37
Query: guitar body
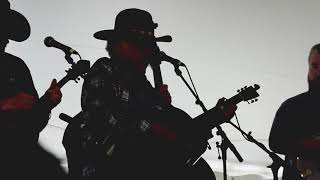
pixel 202 171
pixel 174 154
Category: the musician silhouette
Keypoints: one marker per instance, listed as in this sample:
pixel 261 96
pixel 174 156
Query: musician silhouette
pixel 295 130
pixel 22 116
pixel 129 128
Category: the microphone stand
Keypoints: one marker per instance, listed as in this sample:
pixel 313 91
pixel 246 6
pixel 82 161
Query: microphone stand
pixel 277 161
pixel 225 143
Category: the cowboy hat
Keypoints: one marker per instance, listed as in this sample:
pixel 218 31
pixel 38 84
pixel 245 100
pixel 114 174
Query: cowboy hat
pixel 135 21
pixel 14 25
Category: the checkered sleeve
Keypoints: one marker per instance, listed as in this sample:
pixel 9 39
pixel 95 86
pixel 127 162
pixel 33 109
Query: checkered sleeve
pixel 96 99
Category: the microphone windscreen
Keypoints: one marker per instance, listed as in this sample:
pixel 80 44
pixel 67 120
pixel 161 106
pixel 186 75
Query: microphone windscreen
pixel 48 41
pixel 166 38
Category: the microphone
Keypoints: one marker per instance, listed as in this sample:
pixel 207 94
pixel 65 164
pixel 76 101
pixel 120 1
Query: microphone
pixel 164 57
pixel 50 42
pixel 65 118
pixel 166 38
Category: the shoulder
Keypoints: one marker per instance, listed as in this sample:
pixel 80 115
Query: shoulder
pixel 15 62
pixel 100 72
pixel 298 99
pixel 295 101
pixel 102 65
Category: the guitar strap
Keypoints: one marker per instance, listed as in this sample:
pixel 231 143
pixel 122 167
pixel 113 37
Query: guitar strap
pixel 287 172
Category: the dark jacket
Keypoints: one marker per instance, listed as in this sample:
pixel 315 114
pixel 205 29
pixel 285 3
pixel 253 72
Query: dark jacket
pixel 21 155
pixel 15 77
pixel 296 119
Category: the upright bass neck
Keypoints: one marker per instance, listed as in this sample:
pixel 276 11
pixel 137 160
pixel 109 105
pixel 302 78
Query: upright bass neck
pixel 157 76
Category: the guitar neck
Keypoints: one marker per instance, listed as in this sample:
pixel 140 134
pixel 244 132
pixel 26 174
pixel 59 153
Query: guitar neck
pixel 157 76
pixel 213 117
pixel 60 84
pixel 63 81
pixel 235 99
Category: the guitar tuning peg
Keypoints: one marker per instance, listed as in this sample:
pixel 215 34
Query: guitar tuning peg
pixel 238 90
pixel 245 87
pixel 78 79
pixel 252 101
pixel 256 100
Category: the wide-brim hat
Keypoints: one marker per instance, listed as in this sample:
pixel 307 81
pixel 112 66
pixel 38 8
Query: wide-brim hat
pixel 135 21
pixel 14 25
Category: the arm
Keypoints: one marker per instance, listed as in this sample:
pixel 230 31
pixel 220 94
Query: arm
pixel 42 107
pixel 22 108
pixel 221 113
pixel 16 106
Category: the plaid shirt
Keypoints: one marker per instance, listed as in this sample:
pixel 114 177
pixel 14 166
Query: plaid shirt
pixel 128 129
pixel 114 114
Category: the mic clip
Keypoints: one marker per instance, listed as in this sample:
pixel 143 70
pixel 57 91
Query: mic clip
pixel 69 59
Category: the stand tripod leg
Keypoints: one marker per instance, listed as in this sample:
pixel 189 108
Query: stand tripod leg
pixel 274 169
pixel 224 159
pixel 224 169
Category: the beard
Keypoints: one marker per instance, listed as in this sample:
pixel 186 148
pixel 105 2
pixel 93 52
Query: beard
pixel 314 85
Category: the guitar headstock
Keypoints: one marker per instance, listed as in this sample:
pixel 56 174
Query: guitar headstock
pixel 249 94
pixel 78 70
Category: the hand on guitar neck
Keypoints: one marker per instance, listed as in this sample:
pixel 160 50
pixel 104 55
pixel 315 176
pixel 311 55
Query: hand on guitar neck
pixel 23 102
pixel 26 106
pixel 223 112
pixel 228 109
pixel 53 95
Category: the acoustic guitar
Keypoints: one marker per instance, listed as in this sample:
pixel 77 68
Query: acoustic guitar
pixel 190 150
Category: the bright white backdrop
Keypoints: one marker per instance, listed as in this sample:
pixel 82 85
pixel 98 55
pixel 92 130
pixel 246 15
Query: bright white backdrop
pixel 226 45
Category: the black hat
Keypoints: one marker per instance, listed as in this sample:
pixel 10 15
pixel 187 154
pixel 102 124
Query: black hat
pixel 132 20
pixel 13 24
